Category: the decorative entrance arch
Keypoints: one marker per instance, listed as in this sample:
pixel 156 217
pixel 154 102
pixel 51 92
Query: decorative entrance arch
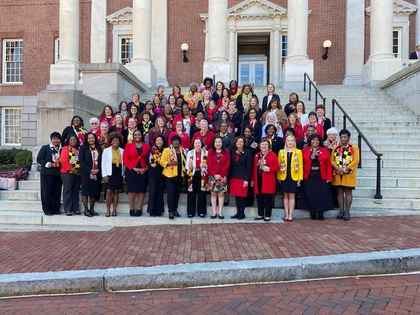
pixel 253 17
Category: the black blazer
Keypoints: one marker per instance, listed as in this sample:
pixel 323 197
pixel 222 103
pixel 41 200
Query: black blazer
pixel 242 167
pixel 44 156
pixel 86 163
pixel 327 125
pixel 277 144
pixel 265 101
pixel 413 55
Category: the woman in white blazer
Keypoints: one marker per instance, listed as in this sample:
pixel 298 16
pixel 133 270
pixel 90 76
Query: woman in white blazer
pixel 113 172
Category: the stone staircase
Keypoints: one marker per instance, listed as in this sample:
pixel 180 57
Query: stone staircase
pixel 390 127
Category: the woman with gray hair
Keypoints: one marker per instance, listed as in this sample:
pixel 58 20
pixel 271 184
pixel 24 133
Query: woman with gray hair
pixel 332 140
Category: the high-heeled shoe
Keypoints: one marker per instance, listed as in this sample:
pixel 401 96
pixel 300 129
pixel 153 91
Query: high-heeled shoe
pixel 221 217
pixel 114 213
pixel 108 214
pixel 213 216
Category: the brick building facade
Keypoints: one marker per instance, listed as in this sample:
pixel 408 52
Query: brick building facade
pixel 36 24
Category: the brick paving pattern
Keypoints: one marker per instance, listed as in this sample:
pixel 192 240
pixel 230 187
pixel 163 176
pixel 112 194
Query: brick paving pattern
pixel 173 244
pixel 373 295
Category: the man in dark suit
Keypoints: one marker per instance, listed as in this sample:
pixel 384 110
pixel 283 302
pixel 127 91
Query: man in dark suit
pixel 269 97
pixel 48 160
pixel 415 54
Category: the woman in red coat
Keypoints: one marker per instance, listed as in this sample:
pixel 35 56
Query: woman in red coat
pixel 218 171
pixel 135 159
pixel 264 180
pixel 317 174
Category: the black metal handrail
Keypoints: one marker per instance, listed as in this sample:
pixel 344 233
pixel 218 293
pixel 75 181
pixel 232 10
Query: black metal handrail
pixel 346 117
pixel 311 85
pixel 360 137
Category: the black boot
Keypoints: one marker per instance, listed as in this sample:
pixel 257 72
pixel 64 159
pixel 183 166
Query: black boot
pixel 313 215
pixel 171 215
pixel 132 212
pixel 92 210
pixel 138 213
pixel 346 216
pixel 340 214
pixel 241 214
pixel 321 215
pixel 86 211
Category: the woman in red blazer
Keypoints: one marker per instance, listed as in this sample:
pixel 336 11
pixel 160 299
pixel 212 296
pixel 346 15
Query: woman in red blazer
pixel 313 121
pixel 135 160
pixel 218 171
pixel 70 175
pixel 264 180
pixel 317 175
pixel 294 125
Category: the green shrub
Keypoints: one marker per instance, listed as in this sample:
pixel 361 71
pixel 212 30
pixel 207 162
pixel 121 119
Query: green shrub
pixel 23 158
pixel 7 156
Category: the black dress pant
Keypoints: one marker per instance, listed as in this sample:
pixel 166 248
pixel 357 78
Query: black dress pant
pixel 173 189
pixel 156 205
pixel 265 204
pixel 197 199
pixel 51 193
pixel 71 188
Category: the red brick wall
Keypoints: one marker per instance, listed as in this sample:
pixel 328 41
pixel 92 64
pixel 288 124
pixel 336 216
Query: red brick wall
pixel 36 21
pixel 184 25
pixel 327 21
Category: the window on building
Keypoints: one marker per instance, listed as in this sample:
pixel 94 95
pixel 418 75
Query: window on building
pixel 396 42
pixel 12 60
pixel 126 49
pixel 11 126
pixel 56 50
pixel 283 47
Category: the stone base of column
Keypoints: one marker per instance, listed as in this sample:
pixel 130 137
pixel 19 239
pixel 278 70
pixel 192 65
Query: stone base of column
pixel 56 107
pixel 377 70
pixel 66 74
pixel 219 69
pixel 144 71
pixel 294 71
pixel 353 80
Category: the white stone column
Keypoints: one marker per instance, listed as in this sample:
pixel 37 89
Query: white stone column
pixel 232 52
pixel 297 62
pixel 275 58
pixel 381 62
pixel 160 40
pixel 141 64
pixel 66 71
pixel 418 23
pixel 355 41
pixel 217 63
pixel 98 32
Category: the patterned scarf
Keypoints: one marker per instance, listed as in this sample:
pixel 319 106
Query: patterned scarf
pixel 343 155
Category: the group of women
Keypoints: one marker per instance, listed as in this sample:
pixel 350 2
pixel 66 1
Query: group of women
pixel 214 140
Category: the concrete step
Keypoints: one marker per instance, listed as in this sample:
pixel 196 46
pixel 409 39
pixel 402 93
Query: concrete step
pixel 392 163
pixel 394 155
pixel 33 184
pixel 401 193
pixel 389 182
pixel 389 172
pixel 123 219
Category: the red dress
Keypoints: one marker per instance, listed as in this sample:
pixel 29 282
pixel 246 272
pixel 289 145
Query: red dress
pixel 207 139
pixel 185 139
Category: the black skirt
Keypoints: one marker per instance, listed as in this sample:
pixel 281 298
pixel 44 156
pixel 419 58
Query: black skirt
pixel 317 193
pixel 91 188
pixel 115 182
pixel 136 183
pixel 288 185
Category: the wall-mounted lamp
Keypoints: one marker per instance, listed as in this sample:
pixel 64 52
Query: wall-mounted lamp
pixel 184 48
pixel 327 45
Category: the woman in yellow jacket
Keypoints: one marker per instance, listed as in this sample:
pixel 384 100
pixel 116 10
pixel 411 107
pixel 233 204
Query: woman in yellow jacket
pixel 345 160
pixel 173 163
pixel 290 175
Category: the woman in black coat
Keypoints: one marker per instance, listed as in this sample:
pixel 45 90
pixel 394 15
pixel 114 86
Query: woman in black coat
pixel 240 176
pixel 156 204
pixel 48 160
pixel 90 172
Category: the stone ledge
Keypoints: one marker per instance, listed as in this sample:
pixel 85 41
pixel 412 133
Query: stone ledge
pixel 217 273
pixel 114 68
pixel 408 71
